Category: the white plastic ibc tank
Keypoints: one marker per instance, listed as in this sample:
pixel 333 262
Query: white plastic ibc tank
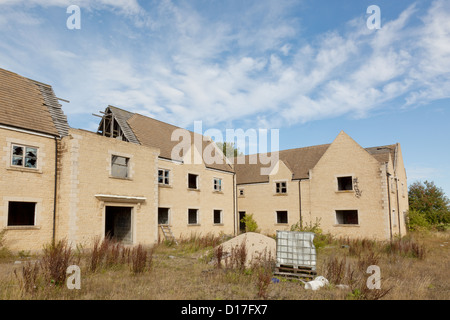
pixel 296 248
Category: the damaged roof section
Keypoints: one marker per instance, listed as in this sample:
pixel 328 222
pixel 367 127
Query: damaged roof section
pixel 30 105
pixel 114 125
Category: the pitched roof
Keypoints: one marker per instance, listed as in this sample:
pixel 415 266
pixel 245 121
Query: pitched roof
pixel 299 161
pixel 154 133
pixel 30 105
pixel 122 117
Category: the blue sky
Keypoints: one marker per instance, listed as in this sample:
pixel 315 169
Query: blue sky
pixel 310 68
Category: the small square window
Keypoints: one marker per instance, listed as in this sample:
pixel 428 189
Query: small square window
pixel 21 213
pixel 282 217
pixel 23 156
pixel 217 184
pixel 281 187
pixel 347 216
pixel 217 216
pixel 163 176
pixel 192 181
pixel 163 215
pixel 193 216
pixel 345 183
pixel 119 166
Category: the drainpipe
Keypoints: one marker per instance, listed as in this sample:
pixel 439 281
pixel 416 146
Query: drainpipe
pixel 389 201
pixel 55 191
pixel 398 207
pixel 300 202
pixel 234 203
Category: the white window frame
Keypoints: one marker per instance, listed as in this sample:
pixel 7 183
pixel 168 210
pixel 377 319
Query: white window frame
pixel 166 179
pixel 217 187
pixel 25 147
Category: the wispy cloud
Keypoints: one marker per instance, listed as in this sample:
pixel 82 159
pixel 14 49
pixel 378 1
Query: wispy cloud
pixel 179 62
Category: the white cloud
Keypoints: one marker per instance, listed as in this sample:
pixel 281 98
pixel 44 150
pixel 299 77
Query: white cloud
pixel 186 66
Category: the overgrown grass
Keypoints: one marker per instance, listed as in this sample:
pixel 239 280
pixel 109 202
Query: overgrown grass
pixel 190 270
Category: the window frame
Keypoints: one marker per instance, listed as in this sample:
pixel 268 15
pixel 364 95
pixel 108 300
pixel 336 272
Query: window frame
pixel 197 222
pixel 219 189
pixel 168 216
pixel 277 216
pixel 196 181
pixel 220 211
pixel 165 179
pixel 127 166
pixel 339 184
pixel 24 157
pixel 279 187
pixel 8 222
pixel 343 218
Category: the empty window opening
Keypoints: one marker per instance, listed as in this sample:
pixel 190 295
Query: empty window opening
pixel 163 176
pixel 282 217
pixel 192 181
pixel 345 183
pixel 217 216
pixel 242 221
pixel 347 216
pixel 24 157
pixel 281 187
pixel 193 216
pixel 163 215
pixel 217 184
pixel 118 224
pixel 119 167
pixel 21 213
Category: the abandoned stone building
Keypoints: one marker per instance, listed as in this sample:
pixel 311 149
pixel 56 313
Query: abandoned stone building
pixel 129 181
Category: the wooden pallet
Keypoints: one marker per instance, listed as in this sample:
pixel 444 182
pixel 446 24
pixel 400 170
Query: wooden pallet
pixel 292 271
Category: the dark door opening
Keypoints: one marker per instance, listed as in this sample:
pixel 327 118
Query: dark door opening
pixel 241 221
pixel 118 224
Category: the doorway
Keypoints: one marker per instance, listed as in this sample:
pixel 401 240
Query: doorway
pixel 241 222
pixel 118 224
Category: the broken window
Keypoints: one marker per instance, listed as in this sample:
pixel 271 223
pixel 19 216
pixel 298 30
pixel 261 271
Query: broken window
pixel 163 176
pixel 347 216
pixel 21 213
pixel 282 217
pixel 23 156
pixel 281 187
pixel 192 181
pixel 193 216
pixel 163 215
pixel 119 167
pixel 217 184
pixel 345 183
pixel 217 216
